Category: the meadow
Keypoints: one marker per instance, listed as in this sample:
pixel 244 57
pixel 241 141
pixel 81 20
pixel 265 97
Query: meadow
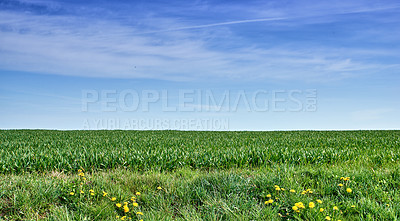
pixel 208 175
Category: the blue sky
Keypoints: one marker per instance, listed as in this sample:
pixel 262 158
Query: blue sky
pixel 53 52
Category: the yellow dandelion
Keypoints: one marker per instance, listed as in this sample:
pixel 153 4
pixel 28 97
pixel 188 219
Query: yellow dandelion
pixel 82 192
pixel 328 218
pixel 92 191
pixel 135 204
pixel 92 194
pixel 321 210
pixel 292 191
pixel 335 208
pixel 269 195
pixel 341 178
pixel 300 205
pixel 104 193
pixel 139 213
pixel 270 201
pixel 118 205
pixel 79 171
pixel 159 188
pixel 346 179
pixel 113 199
pixel 266 202
pixel 295 208
pixel 133 198
pixel 123 218
pixel 138 193
pixel 304 192
pixel 340 184
pixel 319 201
pixel 117 217
pixel 353 206
pixel 349 190
pixel 311 205
pixel 126 209
pixel 283 189
pixel 71 193
pixel 141 220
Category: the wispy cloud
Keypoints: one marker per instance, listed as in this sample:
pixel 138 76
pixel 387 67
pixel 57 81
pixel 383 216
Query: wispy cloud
pixel 77 45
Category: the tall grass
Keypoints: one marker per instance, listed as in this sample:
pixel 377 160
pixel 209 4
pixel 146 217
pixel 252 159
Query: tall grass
pixel 43 150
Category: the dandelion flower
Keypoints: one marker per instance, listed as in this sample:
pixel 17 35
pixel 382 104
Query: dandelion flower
pixel 321 210
pixel 123 218
pixel 135 204
pixel 341 178
pixel 292 191
pixel 126 209
pixel 319 201
pixel 295 208
pixel 340 184
pixel 270 201
pixel 159 188
pixel 71 193
pixel 139 213
pixel 349 190
pixel 138 193
pixel 118 205
pixel 328 218
pixel 300 205
pixel 335 208
pixel 104 193
pixel 353 206
pixel 82 192
pixel 269 195
pixel 113 199
pixel 311 205
pixel 133 198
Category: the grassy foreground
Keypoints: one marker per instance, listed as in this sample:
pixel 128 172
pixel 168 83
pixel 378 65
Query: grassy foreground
pixel 171 175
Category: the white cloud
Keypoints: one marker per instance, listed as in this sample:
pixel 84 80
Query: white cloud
pixel 80 46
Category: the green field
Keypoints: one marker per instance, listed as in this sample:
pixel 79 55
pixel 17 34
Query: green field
pixel 185 175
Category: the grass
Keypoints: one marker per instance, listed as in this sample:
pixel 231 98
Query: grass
pixel 202 175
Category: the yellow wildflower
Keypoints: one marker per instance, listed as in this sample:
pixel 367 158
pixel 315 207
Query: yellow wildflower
pixel 311 205
pixel 118 205
pixel 123 218
pixel 319 201
pixel 104 193
pixel 82 192
pixel 300 205
pixel 295 208
pixel 328 218
pixel 353 206
pixel 138 193
pixel 159 188
pixel 335 208
pixel 139 213
pixel 126 209
pixel 292 191
pixel 321 210
pixel 133 198
pixel 269 195
pixel 349 190
pixel 135 204
pixel 113 199
pixel 340 184
pixel 71 193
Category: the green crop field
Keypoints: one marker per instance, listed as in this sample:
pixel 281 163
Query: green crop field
pixel 187 175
